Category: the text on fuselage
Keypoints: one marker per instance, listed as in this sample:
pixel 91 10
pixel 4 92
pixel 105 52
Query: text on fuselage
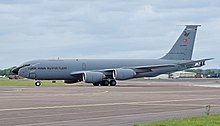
pixel 47 68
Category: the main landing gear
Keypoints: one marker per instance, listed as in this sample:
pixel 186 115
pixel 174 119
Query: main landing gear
pixel 102 83
pixel 106 83
pixel 113 82
pixel 38 83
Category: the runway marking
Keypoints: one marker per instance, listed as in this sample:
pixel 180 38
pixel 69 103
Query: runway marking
pixel 115 117
pixel 52 95
pixel 183 105
pixel 14 96
pixel 214 86
pixel 106 104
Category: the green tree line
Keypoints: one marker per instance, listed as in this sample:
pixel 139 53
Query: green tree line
pixel 6 72
pixel 205 72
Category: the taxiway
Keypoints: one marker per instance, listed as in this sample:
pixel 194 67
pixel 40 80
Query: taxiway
pixel 128 103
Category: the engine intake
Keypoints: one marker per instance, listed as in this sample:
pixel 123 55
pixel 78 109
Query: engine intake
pixel 93 77
pixel 123 74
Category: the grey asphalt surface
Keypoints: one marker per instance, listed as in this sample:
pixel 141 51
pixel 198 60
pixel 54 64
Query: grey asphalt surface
pixel 130 102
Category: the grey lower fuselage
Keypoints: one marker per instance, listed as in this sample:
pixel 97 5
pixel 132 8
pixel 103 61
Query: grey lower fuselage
pixel 62 69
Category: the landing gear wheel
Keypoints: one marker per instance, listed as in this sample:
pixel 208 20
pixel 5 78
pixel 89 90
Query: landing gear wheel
pixel 95 84
pixel 37 83
pixel 105 83
pixel 113 83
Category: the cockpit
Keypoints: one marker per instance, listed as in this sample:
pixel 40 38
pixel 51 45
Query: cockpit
pixel 18 68
pixel 24 65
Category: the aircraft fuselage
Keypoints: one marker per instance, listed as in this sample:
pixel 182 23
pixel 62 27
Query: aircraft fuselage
pixel 61 69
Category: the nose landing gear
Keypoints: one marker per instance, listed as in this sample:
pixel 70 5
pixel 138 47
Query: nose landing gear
pixel 38 83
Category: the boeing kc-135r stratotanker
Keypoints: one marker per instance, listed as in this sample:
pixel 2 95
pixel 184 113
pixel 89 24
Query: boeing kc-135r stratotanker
pixel 106 71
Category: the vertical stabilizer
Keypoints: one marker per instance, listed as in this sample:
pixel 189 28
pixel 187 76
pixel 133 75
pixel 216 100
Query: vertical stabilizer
pixel 183 48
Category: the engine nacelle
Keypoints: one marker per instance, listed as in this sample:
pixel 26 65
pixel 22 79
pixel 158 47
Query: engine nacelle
pixel 70 81
pixel 93 77
pixel 123 74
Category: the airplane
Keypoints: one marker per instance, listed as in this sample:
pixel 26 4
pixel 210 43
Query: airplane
pixel 106 72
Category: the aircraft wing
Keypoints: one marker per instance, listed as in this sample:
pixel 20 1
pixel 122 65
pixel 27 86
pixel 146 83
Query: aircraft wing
pixel 154 66
pixel 203 60
pixel 77 73
pixel 137 69
pixel 141 69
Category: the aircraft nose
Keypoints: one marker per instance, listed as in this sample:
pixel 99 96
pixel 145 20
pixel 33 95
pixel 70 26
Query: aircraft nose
pixel 15 70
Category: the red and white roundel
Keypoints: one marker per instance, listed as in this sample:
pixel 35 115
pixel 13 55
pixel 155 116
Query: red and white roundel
pixel 185 40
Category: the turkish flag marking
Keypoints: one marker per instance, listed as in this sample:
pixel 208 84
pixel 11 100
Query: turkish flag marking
pixel 185 40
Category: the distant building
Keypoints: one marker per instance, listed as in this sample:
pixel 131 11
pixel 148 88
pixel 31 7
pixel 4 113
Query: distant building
pixel 179 74
pixel 162 76
pixel 183 74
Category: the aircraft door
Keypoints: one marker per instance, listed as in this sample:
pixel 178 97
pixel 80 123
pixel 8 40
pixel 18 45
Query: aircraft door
pixel 83 66
pixel 32 75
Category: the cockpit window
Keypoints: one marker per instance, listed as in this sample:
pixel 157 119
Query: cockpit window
pixel 26 65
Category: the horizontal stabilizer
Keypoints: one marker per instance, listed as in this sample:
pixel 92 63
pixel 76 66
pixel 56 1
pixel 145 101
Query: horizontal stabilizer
pixel 195 63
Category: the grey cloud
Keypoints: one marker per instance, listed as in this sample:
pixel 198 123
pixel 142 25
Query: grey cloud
pixel 106 29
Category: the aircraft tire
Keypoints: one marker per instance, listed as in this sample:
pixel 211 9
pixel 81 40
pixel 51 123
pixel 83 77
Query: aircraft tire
pixel 37 83
pixel 95 84
pixel 113 83
pixel 105 83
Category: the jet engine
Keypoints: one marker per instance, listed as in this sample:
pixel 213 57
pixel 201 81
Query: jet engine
pixel 93 77
pixel 123 74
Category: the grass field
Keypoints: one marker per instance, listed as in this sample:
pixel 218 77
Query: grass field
pixel 27 82
pixel 210 120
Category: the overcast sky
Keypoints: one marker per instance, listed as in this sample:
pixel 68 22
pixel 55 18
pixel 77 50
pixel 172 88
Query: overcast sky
pixel 41 29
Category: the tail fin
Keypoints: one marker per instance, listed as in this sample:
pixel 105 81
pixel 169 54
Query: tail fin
pixel 183 48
